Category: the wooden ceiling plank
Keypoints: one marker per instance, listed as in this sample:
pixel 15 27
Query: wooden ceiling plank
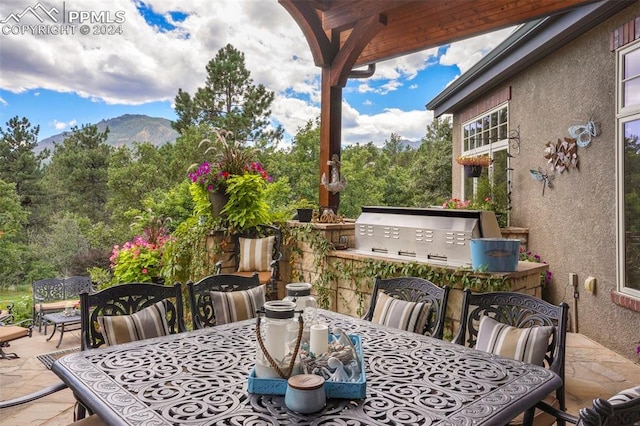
pixel 346 14
pixel 417 31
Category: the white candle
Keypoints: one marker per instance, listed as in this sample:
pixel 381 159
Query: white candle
pixel 319 339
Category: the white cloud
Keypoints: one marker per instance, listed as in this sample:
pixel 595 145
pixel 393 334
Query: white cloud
pixel 376 128
pixel 467 52
pixel 3 102
pixel 146 64
pixel 61 125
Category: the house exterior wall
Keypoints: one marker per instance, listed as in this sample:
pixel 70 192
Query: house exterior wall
pixel 573 226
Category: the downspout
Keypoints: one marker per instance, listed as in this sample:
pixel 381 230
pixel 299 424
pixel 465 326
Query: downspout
pixel 371 69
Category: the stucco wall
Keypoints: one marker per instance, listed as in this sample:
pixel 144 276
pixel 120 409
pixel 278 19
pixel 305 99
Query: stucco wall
pixel 573 226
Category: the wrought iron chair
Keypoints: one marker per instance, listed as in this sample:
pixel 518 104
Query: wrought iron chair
pixel 53 294
pixel 202 312
pixel 48 296
pixel 521 311
pixel 412 289
pixel 622 409
pixel 127 299
pixel 6 315
pixel 10 331
pixel 250 256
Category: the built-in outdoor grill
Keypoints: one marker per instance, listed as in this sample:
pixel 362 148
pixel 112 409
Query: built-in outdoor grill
pixel 439 236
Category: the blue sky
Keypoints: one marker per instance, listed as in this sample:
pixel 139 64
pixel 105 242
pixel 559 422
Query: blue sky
pixel 66 79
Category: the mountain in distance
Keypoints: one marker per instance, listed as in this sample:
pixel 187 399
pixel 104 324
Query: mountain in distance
pixel 125 130
pixel 407 143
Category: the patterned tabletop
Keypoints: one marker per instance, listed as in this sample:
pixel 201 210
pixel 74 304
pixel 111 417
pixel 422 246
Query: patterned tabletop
pixel 200 378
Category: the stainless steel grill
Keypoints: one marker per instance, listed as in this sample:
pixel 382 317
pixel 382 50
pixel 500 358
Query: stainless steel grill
pixel 438 236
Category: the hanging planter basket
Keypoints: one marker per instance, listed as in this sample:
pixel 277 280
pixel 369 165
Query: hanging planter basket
pixel 472 170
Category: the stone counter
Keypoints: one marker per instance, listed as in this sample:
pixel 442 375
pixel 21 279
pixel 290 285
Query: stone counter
pixel 351 297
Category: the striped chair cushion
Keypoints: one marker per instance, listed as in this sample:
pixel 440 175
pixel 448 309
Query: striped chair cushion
pixel 524 344
pixel 625 396
pixel 231 306
pixel 255 254
pixel 144 324
pixel 409 316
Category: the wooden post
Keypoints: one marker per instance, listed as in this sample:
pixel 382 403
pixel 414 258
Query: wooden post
pixel 330 134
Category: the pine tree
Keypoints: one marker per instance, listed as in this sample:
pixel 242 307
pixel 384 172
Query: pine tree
pixel 229 100
pixel 19 164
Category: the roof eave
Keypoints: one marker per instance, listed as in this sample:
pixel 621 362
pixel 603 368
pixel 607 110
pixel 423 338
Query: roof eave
pixel 528 44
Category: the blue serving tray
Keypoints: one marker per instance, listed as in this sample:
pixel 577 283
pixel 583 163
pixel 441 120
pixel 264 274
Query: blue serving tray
pixel 349 390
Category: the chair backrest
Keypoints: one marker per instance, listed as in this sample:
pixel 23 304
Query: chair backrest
pixel 202 313
pixel 48 290
pixel 412 289
pixel 522 311
pixel 127 299
pixel 75 285
pixel 261 231
pixel 622 409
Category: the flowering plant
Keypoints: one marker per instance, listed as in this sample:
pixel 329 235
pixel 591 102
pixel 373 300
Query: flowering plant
pixel 475 160
pixel 527 256
pixel 210 176
pixel 139 260
pixel 476 204
pixel 230 159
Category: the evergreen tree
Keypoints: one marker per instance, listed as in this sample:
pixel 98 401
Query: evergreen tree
pixel 396 172
pixel 78 174
pixel 19 164
pixel 300 162
pixel 13 217
pixel 364 167
pixel 431 169
pixel 135 173
pixel 229 100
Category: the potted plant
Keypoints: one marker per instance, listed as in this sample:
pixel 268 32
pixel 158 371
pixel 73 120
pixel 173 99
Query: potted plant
pixel 305 209
pixel 473 164
pixel 247 206
pixel 229 159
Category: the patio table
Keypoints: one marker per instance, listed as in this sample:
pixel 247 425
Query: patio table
pixel 63 322
pixel 200 377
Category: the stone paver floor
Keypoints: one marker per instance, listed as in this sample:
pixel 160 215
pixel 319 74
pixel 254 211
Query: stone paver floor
pixel 591 371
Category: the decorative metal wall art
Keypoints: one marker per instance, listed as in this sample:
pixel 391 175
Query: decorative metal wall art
pixel 583 133
pixel 562 155
pixel 337 183
pixel 543 177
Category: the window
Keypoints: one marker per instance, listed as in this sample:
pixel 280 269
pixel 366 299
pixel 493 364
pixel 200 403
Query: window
pixel 489 135
pixel 628 65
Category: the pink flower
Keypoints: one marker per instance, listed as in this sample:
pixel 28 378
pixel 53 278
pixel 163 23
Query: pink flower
pixel 144 271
